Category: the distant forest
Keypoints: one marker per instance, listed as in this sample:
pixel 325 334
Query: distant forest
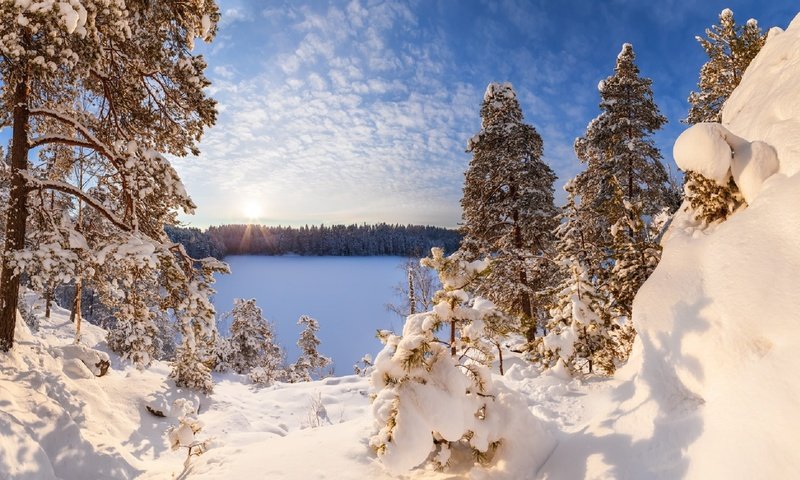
pixel 334 240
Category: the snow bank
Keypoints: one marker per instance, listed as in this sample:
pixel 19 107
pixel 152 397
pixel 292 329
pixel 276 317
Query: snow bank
pixel 764 107
pixel 710 389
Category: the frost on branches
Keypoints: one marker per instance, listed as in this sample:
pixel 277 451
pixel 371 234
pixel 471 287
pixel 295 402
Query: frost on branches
pixel 311 363
pixel 106 87
pixel 433 406
pixel 508 209
pixel 252 347
pixel 730 49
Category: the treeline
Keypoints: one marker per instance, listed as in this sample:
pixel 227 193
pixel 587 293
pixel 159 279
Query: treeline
pixel 333 240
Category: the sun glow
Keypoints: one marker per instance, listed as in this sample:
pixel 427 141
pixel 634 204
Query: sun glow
pixel 251 210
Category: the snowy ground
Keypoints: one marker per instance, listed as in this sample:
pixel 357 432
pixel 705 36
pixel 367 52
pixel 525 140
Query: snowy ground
pixel 55 425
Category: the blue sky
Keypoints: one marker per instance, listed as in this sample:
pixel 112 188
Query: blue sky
pixel 360 111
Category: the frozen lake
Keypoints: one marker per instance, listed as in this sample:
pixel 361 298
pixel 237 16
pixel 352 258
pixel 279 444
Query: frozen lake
pixel 347 295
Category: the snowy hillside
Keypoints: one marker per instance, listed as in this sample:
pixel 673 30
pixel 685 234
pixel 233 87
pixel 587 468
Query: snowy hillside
pixel 710 390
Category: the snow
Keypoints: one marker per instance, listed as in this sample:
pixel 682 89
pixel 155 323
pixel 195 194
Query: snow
pixel 710 375
pixel 702 148
pixel 709 390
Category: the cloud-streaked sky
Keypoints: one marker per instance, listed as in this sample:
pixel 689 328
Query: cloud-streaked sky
pixel 359 111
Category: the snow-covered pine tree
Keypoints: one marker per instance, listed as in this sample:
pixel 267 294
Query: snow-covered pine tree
pixel 119 79
pixel 623 166
pixel 576 333
pixel 252 342
pixel 636 255
pixel 311 363
pixel 577 329
pixel 730 49
pixel 508 210
pixel 475 325
pixel 461 400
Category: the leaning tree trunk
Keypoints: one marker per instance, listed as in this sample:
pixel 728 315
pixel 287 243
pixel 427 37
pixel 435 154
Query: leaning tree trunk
pixel 16 215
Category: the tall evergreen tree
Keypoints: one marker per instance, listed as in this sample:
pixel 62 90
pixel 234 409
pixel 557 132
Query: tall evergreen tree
pixel 624 182
pixel 508 210
pixel 730 49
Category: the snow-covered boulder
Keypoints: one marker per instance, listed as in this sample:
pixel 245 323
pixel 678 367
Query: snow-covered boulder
pixel 95 361
pixel 169 405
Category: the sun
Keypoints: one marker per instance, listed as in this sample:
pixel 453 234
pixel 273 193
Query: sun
pixel 251 210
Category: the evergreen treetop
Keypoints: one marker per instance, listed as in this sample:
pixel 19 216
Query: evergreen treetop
pixel 730 49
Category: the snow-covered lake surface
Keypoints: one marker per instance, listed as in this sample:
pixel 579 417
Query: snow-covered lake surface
pixel 347 295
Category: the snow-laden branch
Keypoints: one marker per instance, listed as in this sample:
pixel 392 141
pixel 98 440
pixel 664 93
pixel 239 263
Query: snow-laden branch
pixel 91 140
pixel 36 184
pixel 64 140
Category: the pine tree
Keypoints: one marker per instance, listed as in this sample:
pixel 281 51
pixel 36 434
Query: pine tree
pixel 252 342
pixel 419 364
pixel 578 330
pixel 730 49
pixel 508 210
pixel 119 80
pixel 311 363
pixel 577 333
pixel 623 169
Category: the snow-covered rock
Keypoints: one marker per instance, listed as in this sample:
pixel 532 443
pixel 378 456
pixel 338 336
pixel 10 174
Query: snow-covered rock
pixel 96 362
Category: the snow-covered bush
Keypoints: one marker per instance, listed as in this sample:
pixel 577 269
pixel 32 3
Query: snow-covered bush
pixel 429 402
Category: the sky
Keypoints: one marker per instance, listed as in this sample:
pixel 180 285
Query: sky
pixel 359 111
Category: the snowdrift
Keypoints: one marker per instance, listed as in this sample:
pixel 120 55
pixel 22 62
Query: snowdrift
pixel 710 390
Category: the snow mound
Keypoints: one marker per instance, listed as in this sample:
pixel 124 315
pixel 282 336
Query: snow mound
pixel 710 390
pixel 702 148
pixel 713 151
pixel 764 106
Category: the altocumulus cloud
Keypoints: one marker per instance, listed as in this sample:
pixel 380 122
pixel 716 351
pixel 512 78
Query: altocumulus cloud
pixel 347 122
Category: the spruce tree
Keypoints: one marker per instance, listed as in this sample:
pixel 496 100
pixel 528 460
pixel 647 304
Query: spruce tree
pixel 730 49
pixel 508 210
pixel 578 331
pixel 252 342
pixel 311 363
pixel 623 169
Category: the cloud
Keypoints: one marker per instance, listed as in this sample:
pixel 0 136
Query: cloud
pixel 338 132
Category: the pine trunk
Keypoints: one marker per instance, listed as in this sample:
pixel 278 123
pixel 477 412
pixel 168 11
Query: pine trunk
pixel 524 300
pixel 75 315
pixel 16 215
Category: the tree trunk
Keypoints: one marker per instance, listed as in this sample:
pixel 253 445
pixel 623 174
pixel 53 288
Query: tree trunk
pixel 412 299
pixel 453 338
pixel 500 356
pixel 48 298
pixel 525 299
pixel 75 315
pixel 16 215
